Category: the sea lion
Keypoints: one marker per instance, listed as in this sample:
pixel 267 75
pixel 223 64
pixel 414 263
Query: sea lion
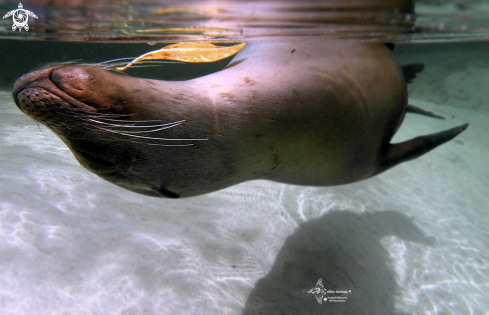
pixel 318 113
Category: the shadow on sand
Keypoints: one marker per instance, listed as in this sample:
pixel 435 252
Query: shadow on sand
pixel 344 249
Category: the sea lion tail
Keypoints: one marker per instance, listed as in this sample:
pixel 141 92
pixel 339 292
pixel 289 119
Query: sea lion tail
pixel 414 148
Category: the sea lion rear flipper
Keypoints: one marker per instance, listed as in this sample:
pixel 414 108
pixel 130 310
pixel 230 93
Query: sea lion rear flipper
pixel 416 110
pixel 409 71
pixel 414 148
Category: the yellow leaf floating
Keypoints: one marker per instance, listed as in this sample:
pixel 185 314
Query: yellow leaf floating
pixel 194 52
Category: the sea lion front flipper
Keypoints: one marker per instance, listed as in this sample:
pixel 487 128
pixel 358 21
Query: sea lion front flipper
pixel 414 148
pixel 163 192
pixel 416 110
pixel 410 71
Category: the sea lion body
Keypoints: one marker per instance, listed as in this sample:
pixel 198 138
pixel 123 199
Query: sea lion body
pixel 321 114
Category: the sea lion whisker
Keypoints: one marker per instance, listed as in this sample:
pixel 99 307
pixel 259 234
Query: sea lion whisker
pixel 153 63
pixel 156 127
pixel 105 116
pixel 99 115
pixel 71 116
pixel 39 126
pixel 102 116
pixel 125 120
pixel 90 127
pixel 53 129
pixel 121 61
pixel 56 124
pixel 109 65
pixel 117 59
pixel 160 145
pixel 144 66
pixel 129 121
pixel 71 62
pixel 140 131
pixel 150 138
pixel 77 126
pixel 163 126
pixel 159 61
pixel 145 143
pixel 129 132
pixel 90 120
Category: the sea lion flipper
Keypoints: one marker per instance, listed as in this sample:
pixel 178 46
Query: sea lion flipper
pixel 416 110
pixel 414 148
pixel 410 71
pixel 163 192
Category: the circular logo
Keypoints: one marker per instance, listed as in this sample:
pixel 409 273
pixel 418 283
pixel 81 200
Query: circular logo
pixel 20 18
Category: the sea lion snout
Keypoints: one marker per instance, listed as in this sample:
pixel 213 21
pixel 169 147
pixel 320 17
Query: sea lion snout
pixel 79 88
pixel 89 86
pixel 36 94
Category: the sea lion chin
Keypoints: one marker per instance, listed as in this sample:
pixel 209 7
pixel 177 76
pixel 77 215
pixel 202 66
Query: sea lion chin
pixel 321 113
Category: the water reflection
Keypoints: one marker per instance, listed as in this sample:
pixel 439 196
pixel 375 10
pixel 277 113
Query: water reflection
pixel 250 21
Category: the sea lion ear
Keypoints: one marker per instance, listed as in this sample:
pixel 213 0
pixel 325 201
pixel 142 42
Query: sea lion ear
pixel 163 192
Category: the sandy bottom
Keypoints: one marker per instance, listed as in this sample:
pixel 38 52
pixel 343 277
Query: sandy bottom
pixel 411 241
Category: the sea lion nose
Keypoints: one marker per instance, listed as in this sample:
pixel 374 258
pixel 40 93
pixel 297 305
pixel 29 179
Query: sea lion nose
pixel 89 85
pixel 74 81
pixel 37 91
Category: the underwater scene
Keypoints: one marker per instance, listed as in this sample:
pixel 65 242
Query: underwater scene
pixel 263 157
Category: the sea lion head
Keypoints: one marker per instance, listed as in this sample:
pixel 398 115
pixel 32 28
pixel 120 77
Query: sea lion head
pixel 87 108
